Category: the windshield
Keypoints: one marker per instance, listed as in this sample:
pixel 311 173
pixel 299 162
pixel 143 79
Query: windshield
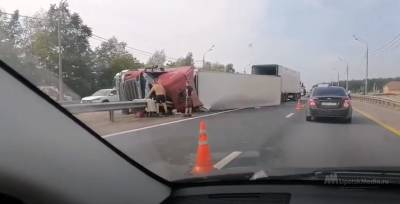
pixel 217 88
pixel 102 92
pixel 330 91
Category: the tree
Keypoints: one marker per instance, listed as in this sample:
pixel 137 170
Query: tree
pixel 229 68
pixel 112 57
pixel 12 48
pixel 8 48
pixel 186 61
pixel 13 30
pixel 76 51
pixel 157 59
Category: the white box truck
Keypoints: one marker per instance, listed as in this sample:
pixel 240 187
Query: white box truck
pixel 220 90
pixel 290 79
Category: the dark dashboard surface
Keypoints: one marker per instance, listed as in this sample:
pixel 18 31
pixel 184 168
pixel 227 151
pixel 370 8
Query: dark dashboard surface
pixel 280 194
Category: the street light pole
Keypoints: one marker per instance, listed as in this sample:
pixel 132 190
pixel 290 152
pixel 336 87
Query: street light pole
pixel 347 72
pixel 347 76
pixel 366 74
pixel 204 55
pixel 60 72
pixel 366 68
pixel 334 69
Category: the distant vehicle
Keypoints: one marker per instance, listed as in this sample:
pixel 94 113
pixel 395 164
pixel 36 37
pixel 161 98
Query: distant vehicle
pixel 52 91
pixel 290 79
pixel 322 85
pixel 329 101
pixel 101 96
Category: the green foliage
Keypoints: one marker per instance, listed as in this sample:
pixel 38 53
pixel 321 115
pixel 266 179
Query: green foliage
pixel 76 52
pixel 31 47
pixel 12 48
pixel 112 57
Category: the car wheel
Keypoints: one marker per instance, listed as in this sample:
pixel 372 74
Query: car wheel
pixel 308 118
pixel 348 120
pixel 105 101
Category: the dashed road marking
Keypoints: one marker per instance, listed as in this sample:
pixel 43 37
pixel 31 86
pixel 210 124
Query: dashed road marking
pixel 384 125
pixel 289 115
pixel 230 157
pixel 169 123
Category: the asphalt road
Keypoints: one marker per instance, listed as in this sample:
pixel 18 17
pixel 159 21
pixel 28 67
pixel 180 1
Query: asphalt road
pixel 268 138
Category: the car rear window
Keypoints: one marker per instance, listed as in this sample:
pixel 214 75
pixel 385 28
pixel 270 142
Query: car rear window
pixel 329 91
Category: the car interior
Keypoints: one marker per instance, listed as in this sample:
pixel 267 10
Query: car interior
pixel 55 158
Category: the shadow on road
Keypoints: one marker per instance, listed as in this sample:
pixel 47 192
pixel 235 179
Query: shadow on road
pixel 355 120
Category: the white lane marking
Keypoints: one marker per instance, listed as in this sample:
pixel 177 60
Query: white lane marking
pixel 168 123
pixel 223 162
pixel 289 115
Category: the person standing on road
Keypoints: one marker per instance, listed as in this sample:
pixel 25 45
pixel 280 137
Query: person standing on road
pixel 188 100
pixel 160 93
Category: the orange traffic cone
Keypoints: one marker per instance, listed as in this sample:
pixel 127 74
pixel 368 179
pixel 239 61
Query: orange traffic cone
pixel 299 106
pixel 204 164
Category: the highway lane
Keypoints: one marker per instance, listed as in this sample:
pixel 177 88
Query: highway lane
pixel 268 137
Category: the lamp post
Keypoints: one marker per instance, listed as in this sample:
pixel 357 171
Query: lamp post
pixel 337 75
pixel 347 72
pixel 204 55
pixel 366 67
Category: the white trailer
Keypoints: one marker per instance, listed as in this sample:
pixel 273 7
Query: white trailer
pixel 290 79
pixel 220 90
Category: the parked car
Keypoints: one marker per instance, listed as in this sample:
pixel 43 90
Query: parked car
pixel 330 102
pixel 101 96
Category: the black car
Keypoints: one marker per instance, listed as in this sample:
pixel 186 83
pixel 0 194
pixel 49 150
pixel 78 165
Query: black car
pixel 332 102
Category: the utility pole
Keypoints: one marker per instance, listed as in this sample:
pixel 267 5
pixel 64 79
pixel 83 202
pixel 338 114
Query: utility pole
pixel 60 72
pixel 338 84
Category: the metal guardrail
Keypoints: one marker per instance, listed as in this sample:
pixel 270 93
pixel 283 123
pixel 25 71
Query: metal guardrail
pixel 110 107
pixel 378 100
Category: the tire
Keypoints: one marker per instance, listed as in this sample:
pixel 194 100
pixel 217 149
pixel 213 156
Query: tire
pixel 308 118
pixel 348 120
pixel 105 101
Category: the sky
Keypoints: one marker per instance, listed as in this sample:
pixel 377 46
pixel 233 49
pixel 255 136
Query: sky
pixel 305 35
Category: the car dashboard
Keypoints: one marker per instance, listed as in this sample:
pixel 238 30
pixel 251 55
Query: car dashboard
pixel 285 194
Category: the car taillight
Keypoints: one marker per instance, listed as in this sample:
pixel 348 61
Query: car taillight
pixel 346 103
pixel 312 103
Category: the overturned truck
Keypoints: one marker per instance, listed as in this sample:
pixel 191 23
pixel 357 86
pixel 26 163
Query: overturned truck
pixel 212 90
pixel 136 84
